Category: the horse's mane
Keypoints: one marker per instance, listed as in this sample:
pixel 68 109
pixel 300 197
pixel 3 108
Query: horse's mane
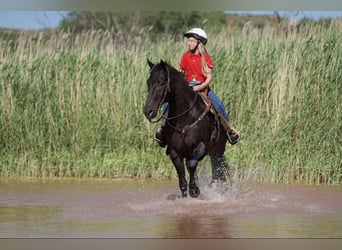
pixel 171 69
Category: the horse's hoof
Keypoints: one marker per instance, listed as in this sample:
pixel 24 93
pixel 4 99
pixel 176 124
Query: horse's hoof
pixel 194 192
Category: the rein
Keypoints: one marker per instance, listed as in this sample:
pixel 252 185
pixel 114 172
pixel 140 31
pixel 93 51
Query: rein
pixel 185 129
pixel 184 112
pixel 176 116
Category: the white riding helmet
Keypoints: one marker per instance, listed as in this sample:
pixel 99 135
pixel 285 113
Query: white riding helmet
pixel 197 33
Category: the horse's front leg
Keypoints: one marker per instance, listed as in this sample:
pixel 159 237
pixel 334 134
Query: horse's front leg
pixel 179 165
pixel 194 190
pixel 191 164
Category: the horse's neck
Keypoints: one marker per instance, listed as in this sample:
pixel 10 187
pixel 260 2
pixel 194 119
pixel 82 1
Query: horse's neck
pixel 182 98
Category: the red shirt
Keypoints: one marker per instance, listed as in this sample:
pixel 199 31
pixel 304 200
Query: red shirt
pixel 192 65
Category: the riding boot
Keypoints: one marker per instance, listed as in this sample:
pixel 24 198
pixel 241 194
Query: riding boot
pixel 159 135
pixel 233 136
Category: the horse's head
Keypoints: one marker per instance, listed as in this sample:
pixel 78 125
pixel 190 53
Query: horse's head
pixel 158 85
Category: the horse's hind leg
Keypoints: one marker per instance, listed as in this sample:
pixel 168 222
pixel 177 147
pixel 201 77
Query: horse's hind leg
pixel 219 167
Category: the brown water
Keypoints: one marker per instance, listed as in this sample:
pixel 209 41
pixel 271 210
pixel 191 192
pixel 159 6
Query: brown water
pixel 122 208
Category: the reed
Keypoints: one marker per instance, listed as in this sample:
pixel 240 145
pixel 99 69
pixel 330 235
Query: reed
pixel 71 105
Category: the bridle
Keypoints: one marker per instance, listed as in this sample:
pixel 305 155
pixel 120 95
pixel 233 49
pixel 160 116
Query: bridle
pixel 166 91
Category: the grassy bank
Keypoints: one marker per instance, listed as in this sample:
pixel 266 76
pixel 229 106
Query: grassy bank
pixel 72 105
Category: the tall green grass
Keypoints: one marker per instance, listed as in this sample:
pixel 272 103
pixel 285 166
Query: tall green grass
pixel 71 105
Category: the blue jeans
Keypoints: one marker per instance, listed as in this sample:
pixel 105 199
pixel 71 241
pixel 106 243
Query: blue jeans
pixel 216 102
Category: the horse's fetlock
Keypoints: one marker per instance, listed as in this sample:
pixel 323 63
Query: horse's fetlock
pixel 184 195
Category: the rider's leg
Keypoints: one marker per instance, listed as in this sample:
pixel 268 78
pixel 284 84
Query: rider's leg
pixel 232 135
pixel 159 136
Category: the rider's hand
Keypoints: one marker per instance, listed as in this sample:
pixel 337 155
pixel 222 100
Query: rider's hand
pixel 197 88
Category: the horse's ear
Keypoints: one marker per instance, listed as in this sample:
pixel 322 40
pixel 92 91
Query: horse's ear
pixel 150 63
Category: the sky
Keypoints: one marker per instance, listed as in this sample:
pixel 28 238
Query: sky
pixel 51 19
pixel 31 19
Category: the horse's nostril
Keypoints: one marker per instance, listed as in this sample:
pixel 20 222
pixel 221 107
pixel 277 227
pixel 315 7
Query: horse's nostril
pixel 148 113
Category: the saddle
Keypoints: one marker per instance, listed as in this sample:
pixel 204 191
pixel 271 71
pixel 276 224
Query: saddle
pixel 215 135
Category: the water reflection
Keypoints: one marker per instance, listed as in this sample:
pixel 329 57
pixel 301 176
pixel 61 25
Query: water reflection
pixel 197 227
pixel 27 221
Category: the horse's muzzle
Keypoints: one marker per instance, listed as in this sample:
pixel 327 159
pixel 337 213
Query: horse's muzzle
pixel 150 114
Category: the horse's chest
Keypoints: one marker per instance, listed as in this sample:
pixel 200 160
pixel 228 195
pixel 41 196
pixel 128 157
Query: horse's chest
pixel 185 144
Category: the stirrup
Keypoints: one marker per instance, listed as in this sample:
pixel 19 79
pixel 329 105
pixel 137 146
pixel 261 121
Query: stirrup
pixel 232 142
pixel 161 142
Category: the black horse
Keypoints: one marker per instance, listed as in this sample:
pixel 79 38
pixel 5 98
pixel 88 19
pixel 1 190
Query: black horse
pixel 191 130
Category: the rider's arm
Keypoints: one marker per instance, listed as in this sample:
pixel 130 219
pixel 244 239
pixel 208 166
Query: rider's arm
pixel 204 84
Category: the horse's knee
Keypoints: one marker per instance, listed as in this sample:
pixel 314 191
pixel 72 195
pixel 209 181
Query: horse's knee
pixel 192 163
pixel 199 152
